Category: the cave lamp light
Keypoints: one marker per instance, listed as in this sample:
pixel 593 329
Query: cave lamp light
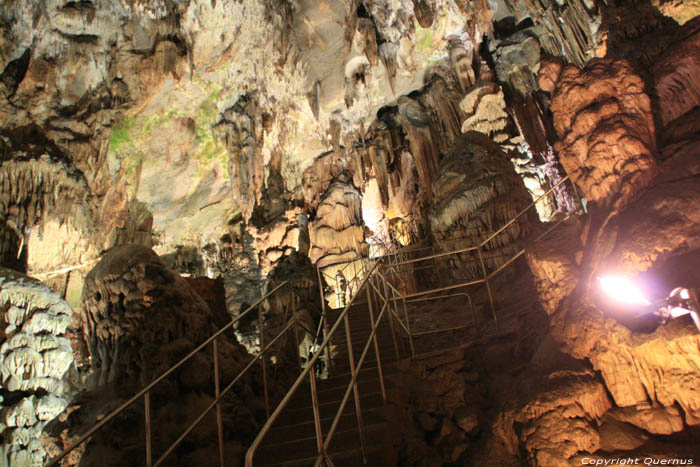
pixel 679 302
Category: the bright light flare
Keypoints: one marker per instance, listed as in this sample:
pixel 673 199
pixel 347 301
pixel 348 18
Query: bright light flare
pixel 623 290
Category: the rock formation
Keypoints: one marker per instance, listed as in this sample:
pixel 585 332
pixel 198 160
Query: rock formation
pixel 478 191
pixel 139 318
pixel 603 118
pixel 35 356
pixel 336 231
pixel 133 307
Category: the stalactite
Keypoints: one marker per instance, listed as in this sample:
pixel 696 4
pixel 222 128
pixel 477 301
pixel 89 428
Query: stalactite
pixel 387 53
pixel 417 124
pixel 35 188
pixel 424 12
pixel 444 101
pixel 461 53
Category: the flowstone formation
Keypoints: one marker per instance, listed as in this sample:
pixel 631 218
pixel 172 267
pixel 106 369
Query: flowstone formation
pixel 604 120
pixel 134 308
pixel 139 318
pixel 479 192
pixel 35 356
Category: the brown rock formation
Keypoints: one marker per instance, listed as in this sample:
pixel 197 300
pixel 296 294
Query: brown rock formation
pixel 336 231
pixel 560 421
pixel 484 107
pixel 649 371
pixel 675 82
pixel 478 192
pixel 608 141
pixel 569 29
pixel 238 131
pixel 134 308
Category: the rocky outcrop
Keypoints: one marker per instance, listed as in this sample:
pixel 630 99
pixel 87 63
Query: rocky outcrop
pixel 485 109
pixel 299 302
pixel 35 356
pixel 139 318
pixel 566 28
pixel 134 308
pixel 35 190
pixel 554 265
pixel 447 401
pixel 517 59
pixel 608 140
pixel 559 422
pixel 237 130
pixel 477 191
pixel 336 231
pixel 648 369
pixel 676 90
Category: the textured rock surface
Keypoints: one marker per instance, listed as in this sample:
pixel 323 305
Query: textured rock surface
pixel 337 232
pixel 477 191
pixel 674 86
pixel 226 135
pixel 559 421
pixel 133 307
pixel 649 370
pixel 35 355
pixel 139 318
pixel 604 120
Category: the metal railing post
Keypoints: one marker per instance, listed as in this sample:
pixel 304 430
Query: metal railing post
pixel 358 409
pixel 217 392
pixel 408 328
pixel 391 318
pixel 324 316
pixel 263 361
pixel 317 414
pixel 376 347
pixel 488 284
pixel 147 410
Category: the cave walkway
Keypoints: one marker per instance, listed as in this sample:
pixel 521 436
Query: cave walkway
pixel 292 440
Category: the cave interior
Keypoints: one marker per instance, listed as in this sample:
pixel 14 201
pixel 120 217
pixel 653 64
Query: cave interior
pixel 368 232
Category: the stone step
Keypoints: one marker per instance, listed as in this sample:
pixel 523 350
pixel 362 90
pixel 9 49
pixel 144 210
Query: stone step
pixel 344 444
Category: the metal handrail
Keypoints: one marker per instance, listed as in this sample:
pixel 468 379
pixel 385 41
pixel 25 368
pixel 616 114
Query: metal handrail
pixel 306 372
pixel 376 290
pixel 145 392
pixel 351 385
pixel 392 268
pixel 489 238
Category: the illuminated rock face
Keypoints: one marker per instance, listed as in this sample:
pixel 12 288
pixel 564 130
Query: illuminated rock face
pixel 559 421
pixel 650 371
pixel 195 127
pixel 336 231
pixel 478 192
pixel 35 355
pixel 603 117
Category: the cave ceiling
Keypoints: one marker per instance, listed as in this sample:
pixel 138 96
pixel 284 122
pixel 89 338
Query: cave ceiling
pixel 190 111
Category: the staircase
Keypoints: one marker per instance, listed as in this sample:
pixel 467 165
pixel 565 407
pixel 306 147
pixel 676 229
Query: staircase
pixel 292 440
